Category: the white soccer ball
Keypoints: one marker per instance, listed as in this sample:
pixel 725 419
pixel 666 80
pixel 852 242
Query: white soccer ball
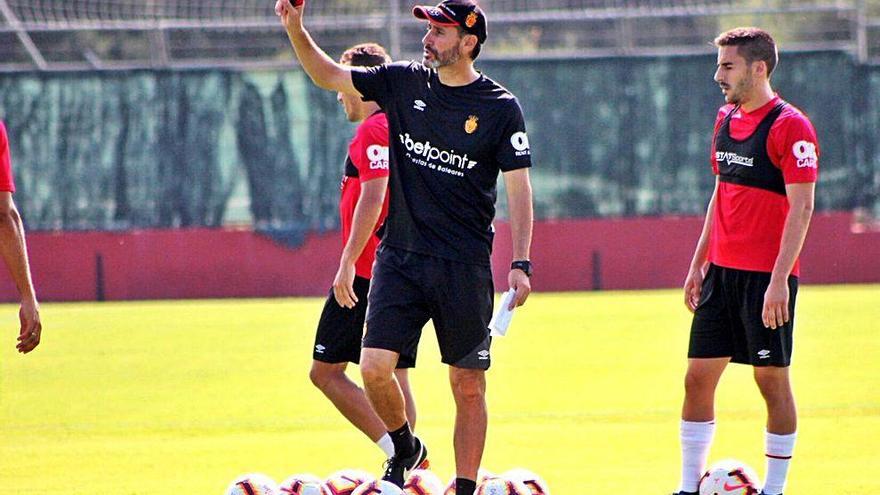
pixel 501 486
pixel 345 481
pixel 482 475
pixel 730 477
pixel 423 482
pixel 535 484
pixel 378 487
pixel 253 484
pixel 301 484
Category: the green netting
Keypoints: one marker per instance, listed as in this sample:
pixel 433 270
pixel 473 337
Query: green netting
pixel 627 136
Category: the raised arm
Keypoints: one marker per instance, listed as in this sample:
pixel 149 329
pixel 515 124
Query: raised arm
pixel 323 70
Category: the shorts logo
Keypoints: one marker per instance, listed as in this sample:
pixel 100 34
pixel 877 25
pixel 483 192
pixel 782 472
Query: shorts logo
pixel 419 105
pixel 520 142
pixel 378 156
pixel 470 125
pixel 320 349
pixel 764 354
pixel 805 152
pixel 483 355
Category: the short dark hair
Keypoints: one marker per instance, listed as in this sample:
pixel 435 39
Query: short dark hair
pixel 753 44
pixel 365 55
pixel 479 46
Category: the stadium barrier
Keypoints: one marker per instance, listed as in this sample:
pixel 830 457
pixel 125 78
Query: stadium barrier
pixel 608 254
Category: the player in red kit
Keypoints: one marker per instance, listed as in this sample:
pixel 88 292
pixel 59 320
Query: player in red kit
pixel 363 206
pixel 743 279
pixel 14 251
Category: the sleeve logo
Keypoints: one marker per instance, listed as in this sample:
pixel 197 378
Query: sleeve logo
pixel 805 152
pixel 520 143
pixel 378 156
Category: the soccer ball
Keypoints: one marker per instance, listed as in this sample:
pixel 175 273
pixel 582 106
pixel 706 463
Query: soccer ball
pixel 423 482
pixel 345 481
pixel 482 475
pixel 378 487
pixel 253 484
pixel 501 486
pixel 533 482
pixel 301 484
pixel 730 477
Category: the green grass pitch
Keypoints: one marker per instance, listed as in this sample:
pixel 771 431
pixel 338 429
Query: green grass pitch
pixel 181 397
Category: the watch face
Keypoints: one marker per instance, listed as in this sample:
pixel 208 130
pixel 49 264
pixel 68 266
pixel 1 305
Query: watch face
pixel 525 266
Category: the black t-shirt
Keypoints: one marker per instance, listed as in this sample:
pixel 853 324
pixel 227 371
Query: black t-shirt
pixel 447 146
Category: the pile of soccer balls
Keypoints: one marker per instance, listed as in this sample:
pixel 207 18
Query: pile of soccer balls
pixel 420 482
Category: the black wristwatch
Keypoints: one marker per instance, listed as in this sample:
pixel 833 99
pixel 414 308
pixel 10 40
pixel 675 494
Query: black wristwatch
pixel 524 265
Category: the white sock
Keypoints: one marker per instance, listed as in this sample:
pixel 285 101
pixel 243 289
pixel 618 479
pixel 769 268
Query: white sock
pixel 779 450
pixel 696 438
pixel 386 445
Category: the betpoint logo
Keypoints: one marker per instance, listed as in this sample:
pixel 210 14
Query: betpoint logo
pixel 520 143
pixel 378 156
pixel 429 152
pixel 805 152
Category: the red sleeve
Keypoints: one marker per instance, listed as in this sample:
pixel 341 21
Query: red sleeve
pixel 6 182
pixel 369 151
pixel 722 112
pixel 793 147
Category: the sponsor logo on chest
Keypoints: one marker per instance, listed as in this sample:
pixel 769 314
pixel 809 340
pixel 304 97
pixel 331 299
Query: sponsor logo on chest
pixel 426 154
pixel 733 159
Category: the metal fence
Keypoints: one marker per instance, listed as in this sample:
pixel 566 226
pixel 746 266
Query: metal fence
pixel 83 35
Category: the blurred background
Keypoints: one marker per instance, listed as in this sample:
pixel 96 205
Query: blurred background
pixel 167 149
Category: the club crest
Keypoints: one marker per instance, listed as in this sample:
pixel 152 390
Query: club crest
pixel 470 125
pixel 470 20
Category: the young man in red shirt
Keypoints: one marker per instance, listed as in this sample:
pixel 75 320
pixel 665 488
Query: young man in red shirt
pixel 363 206
pixel 742 282
pixel 14 251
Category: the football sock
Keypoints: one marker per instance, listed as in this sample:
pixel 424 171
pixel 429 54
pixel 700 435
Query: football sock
pixel 464 486
pixel 404 441
pixel 696 438
pixel 779 450
pixel 386 445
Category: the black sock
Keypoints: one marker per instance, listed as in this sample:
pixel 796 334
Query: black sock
pixel 464 486
pixel 404 441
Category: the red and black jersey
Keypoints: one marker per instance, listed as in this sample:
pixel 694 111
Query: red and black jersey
pixel 755 154
pixel 6 182
pixel 367 160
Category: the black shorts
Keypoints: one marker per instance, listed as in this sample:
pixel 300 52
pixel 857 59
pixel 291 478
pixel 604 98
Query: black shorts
pixel 727 321
pixel 340 330
pixel 411 288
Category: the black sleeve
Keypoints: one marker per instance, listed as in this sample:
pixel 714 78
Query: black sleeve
pixel 513 150
pixel 378 83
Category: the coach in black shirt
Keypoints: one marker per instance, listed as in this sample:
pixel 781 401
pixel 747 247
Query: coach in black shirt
pixel 452 130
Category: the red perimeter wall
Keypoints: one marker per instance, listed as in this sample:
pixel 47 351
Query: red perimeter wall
pixel 632 253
